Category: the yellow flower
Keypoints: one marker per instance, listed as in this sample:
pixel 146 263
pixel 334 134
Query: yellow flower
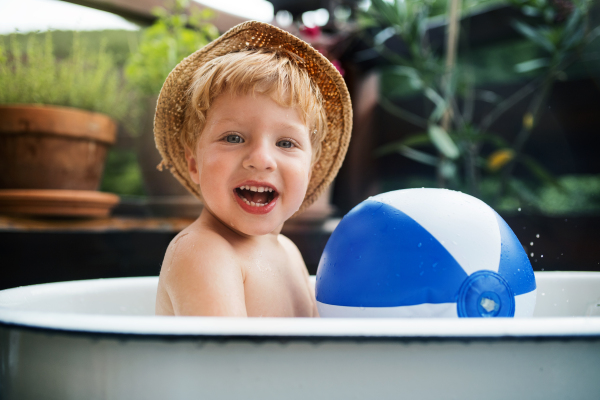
pixel 499 158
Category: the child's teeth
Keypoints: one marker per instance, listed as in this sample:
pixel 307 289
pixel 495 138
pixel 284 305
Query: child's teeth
pixel 253 204
pixel 259 189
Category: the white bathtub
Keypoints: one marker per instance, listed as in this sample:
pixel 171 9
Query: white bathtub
pixel 100 340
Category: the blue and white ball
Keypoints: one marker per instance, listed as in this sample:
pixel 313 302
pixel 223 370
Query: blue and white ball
pixel 424 253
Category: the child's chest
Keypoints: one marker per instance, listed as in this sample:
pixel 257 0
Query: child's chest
pixel 274 285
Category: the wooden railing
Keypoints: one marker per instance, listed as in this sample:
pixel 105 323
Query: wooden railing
pixel 140 11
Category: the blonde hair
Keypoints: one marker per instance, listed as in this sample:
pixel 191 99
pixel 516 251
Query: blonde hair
pixel 274 72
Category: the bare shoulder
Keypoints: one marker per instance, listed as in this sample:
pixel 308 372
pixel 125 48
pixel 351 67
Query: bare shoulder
pixel 295 257
pixel 292 251
pixel 200 275
pixel 194 243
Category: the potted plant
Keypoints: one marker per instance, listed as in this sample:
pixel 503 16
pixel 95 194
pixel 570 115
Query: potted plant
pixel 176 34
pixel 57 120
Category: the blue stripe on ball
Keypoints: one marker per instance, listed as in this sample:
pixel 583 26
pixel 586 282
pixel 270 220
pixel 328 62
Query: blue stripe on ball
pixel 514 263
pixel 380 257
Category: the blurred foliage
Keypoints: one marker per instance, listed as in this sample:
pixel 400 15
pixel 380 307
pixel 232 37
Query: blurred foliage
pixel 579 194
pixel 575 195
pixel 82 70
pixel 548 51
pixel 118 43
pixel 122 173
pixel 87 78
pixel 175 34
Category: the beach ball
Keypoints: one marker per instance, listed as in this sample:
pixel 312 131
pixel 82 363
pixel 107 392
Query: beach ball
pixel 424 253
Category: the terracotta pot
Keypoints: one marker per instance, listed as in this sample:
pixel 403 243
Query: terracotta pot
pixel 48 147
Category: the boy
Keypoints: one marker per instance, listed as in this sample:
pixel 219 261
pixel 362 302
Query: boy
pixel 256 125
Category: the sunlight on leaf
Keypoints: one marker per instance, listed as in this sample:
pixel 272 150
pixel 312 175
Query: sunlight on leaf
pixel 419 156
pixel 443 142
pixel 532 65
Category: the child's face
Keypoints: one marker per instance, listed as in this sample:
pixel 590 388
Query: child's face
pixel 252 162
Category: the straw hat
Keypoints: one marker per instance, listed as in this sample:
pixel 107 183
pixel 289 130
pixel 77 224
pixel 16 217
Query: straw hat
pixel 173 99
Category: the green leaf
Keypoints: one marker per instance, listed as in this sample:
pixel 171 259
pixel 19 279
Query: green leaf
pixel 384 35
pixel 575 39
pixel 532 65
pixel 534 34
pixel 573 22
pixel 402 113
pixel 398 146
pixel 412 74
pixel 487 96
pixel 440 104
pixel 418 156
pixel 443 142
pixel 447 169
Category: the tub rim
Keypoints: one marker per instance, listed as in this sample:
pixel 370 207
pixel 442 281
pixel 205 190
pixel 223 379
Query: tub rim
pixel 220 328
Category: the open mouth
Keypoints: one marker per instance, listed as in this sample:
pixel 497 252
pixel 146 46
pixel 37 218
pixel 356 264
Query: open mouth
pixel 256 196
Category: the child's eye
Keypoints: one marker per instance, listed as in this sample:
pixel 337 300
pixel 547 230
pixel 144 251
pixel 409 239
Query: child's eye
pixel 286 144
pixel 234 139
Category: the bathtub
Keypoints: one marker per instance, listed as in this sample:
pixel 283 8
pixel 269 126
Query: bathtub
pixel 99 339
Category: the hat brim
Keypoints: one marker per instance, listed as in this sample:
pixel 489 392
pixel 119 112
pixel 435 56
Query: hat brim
pixel 173 100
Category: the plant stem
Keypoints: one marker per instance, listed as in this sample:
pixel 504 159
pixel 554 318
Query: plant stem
pixel 402 113
pixel 507 104
pixel 471 171
pixel 452 35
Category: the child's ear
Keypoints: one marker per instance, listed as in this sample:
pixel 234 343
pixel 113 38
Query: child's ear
pixel 192 166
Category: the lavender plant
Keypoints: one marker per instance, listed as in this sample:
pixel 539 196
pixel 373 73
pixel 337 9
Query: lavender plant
pixel 86 79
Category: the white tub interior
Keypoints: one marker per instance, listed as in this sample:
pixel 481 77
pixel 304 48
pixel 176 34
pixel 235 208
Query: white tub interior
pixel 559 294
pixel 126 305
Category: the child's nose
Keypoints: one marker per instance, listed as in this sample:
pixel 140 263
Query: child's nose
pixel 260 157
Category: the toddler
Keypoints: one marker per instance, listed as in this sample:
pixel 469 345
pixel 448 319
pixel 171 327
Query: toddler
pixel 256 125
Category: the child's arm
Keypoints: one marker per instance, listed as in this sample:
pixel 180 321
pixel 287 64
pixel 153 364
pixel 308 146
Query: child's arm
pixel 299 263
pixel 311 288
pixel 202 277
